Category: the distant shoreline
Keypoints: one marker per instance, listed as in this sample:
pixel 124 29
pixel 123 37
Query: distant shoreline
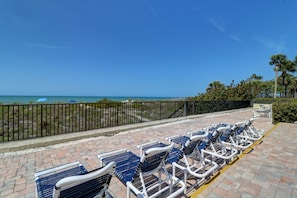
pixel 75 99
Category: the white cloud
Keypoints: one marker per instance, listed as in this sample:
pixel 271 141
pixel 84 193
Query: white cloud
pixel 272 45
pixel 220 27
pixel 235 38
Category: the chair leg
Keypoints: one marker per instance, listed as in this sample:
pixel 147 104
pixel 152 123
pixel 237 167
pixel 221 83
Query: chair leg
pixel 128 192
pixel 185 181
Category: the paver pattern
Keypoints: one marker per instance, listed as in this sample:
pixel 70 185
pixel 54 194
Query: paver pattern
pixel 269 171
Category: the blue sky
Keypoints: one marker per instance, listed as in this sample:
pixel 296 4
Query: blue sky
pixel 166 48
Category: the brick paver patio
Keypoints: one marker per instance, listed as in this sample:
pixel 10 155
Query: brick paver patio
pixel 268 171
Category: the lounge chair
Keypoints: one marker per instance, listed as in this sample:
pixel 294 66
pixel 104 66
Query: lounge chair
pixel 251 131
pixel 73 180
pixel 190 161
pixel 183 157
pixel 235 137
pixel 145 175
pixel 212 148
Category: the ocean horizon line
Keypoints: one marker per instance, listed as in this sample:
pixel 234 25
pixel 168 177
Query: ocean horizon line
pixel 26 99
pixel 42 95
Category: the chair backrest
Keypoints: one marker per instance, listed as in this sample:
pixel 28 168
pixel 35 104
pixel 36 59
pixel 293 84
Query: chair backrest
pixel 187 145
pixel 226 133
pixel 216 134
pixel 153 159
pixel 213 136
pixel 241 126
pixel 249 123
pixel 192 144
pixel 87 185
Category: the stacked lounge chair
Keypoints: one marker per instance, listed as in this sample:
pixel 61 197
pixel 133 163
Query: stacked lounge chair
pixel 160 170
pixel 213 148
pixel 235 137
pixel 145 175
pixel 183 161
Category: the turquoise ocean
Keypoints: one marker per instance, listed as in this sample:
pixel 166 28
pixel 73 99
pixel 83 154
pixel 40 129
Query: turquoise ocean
pixel 71 99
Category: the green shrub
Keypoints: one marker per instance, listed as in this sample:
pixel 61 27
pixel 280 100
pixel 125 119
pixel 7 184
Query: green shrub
pixel 284 111
pixel 273 100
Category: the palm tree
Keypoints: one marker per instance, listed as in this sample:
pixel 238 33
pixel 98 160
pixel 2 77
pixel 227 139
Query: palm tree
pixel 291 83
pixel 256 85
pixel 266 89
pixel 283 65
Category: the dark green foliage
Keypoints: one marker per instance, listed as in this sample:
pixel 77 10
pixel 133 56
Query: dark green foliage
pixel 264 100
pixel 254 87
pixel 105 103
pixel 271 100
pixel 284 111
pixel 245 90
pixel 285 80
pixel 200 107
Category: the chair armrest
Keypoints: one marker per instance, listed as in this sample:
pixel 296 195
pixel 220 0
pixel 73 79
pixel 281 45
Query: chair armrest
pixel 108 169
pixel 198 132
pixel 146 146
pixel 172 137
pixel 199 136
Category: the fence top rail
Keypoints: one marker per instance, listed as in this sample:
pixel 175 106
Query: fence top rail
pixel 119 102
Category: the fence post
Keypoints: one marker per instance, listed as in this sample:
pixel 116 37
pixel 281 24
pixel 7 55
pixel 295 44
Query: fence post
pixel 185 108
pixel 41 111
pixel 141 111
pixel 160 111
pixel 117 116
pixel 86 117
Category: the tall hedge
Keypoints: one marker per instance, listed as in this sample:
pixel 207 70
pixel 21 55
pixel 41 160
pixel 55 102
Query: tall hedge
pixel 284 111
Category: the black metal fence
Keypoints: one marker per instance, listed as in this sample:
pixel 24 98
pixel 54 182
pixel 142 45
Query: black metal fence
pixel 27 121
